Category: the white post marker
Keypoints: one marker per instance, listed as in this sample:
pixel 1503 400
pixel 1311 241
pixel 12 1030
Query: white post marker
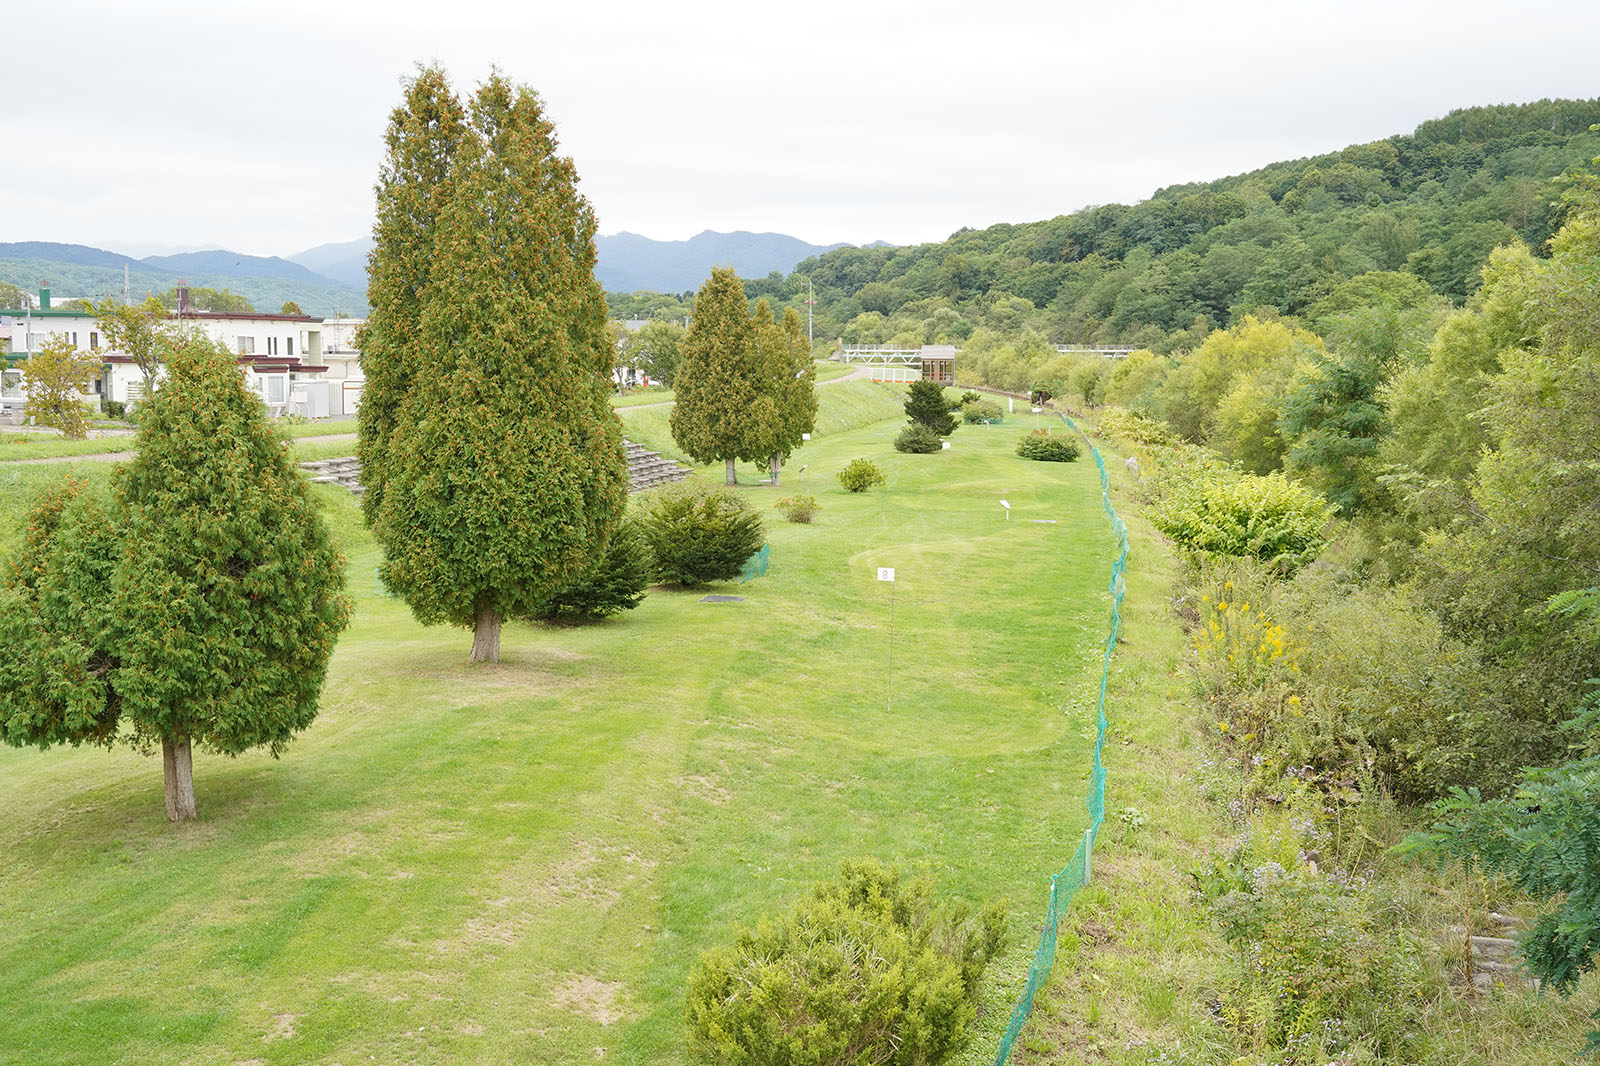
pixel 1007 506
pixel 805 436
pixel 886 573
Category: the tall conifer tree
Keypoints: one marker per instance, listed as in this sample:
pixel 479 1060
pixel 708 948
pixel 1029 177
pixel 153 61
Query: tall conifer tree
pixel 722 411
pixel 503 466
pixel 423 137
pixel 792 377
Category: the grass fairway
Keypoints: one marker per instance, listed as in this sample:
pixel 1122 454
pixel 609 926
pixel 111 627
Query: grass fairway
pixel 519 863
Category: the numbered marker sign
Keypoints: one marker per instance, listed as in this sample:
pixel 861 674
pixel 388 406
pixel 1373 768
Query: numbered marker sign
pixel 805 436
pixel 885 573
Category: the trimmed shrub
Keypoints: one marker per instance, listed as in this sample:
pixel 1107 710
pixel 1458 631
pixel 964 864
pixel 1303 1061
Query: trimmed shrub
pixel 1042 446
pixel 113 408
pixel 868 968
pixel 699 535
pixel 859 475
pixel 986 412
pixel 968 396
pixel 917 439
pixel 616 583
pixel 798 508
pixel 1266 517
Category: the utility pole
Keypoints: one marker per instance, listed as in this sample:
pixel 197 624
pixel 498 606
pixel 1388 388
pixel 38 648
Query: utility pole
pixel 127 292
pixel 811 299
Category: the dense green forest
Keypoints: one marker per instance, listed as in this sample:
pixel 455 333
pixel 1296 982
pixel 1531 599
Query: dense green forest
pixel 1431 204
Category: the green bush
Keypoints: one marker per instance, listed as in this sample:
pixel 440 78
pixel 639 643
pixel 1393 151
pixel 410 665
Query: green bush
pixel 867 969
pixel 698 535
pixel 859 475
pixel 968 397
pixel 616 583
pixel 986 412
pixel 917 439
pixel 1350 681
pixel 1315 971
pixel 1126 425
pixel 798 508
pixel 1266 517
pixel 113 408
pixel 1044 447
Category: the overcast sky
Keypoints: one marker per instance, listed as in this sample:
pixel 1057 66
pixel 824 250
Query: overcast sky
pixel 258 127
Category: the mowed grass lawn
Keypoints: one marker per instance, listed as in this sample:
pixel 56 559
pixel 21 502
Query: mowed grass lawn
pixel 520 862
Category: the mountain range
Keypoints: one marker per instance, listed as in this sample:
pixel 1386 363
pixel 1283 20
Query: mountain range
pixel 331 279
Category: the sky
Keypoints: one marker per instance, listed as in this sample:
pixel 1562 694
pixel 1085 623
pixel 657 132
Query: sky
pixel 259 127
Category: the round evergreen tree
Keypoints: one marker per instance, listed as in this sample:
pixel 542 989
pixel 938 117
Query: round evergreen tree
pixel 225 590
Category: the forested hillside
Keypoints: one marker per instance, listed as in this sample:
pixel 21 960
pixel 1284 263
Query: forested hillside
pixel 1431 204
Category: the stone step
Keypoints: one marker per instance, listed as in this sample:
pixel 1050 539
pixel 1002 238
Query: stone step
pixel 646 470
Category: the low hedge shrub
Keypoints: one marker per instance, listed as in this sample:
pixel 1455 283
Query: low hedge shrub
pixel 698 535
pixel 917 439
pixel 859 475
pixel 1043 446
pixel 867 969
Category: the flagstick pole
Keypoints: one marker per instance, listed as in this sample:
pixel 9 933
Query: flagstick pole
pixel 890 706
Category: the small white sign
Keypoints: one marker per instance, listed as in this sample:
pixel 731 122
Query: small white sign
pixel 805 436
pixel 1006 505
pixel 944 445
pixel 885 573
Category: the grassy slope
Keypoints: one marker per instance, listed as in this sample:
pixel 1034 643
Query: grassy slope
pixel 519 863
pixel 1138 964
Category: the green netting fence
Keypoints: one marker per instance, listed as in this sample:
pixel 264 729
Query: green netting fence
pixel 1065 884
pixel 756 565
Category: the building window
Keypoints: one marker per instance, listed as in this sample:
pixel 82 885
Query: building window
pixel 247 346
pixel 272 391
pixel 35 341
pixel 272 346
pixel 291 345
pixel 72 337
pixel 94 340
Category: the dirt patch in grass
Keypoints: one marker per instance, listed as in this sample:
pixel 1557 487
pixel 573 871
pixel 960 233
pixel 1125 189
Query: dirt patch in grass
pixel 282 1028
pixel 589 996
pixel 703 787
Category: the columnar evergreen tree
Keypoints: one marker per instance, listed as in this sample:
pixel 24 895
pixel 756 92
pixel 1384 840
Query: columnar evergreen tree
pixel 501 462
pixel 423 135
pixel 789 376
pixel 204 611
pixel 720 413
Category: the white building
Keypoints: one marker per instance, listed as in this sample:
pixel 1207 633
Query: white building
pixel 298 364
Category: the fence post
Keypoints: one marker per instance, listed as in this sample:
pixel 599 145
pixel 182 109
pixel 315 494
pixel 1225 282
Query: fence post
pixel 1088 853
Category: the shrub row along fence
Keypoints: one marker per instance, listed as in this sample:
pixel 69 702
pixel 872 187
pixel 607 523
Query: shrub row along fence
pixel 1065 885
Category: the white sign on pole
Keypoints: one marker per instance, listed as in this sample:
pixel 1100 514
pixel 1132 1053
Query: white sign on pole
pixel 885 573
pixel 805 436
pixel 1007 506
pixel 944 445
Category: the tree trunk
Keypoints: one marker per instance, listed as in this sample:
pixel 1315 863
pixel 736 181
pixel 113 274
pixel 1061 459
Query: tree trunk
pixel 177 765
pixel 486 636
pixel 733 478
pixel 776 465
